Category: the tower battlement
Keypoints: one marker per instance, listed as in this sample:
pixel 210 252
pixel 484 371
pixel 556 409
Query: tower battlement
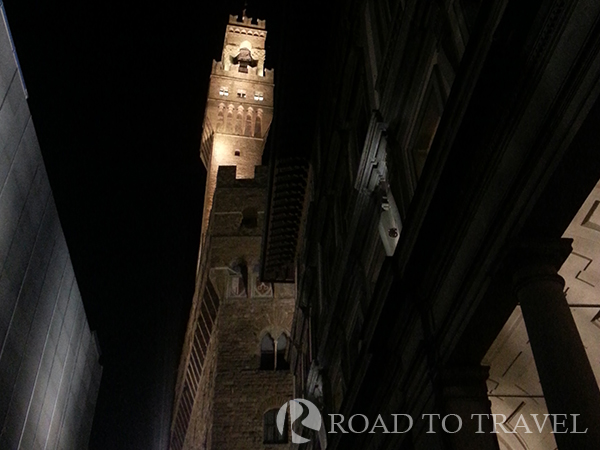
pixel 244 47
pixel 247 21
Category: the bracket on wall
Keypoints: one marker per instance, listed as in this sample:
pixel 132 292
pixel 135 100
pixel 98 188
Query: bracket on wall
pixel 372 177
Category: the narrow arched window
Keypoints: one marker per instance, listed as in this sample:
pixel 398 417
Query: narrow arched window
pixel 273 352
pixel 267 353
pixel 271 432
pixel 281 362
pixel 221 118
pixel 258 125
pixel 248 126
pixel 239 281
pixel 230 120
pixel 238 122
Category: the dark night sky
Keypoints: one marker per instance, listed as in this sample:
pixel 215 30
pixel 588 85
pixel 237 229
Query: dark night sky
pixel 117 94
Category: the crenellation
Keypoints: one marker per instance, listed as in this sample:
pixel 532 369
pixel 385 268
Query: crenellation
pixel 237 21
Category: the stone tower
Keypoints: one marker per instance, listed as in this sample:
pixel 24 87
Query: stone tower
pixel 234 372
pixel 239 108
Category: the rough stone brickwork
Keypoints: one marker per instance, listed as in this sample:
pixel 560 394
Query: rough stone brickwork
pixel 222 405
pixel 234 391
pixel 243 392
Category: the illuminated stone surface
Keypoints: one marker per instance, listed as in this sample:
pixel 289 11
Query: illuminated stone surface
pixel 49 369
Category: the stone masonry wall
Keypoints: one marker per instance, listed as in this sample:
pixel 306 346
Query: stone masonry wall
pixel 243 392
pixel 234 393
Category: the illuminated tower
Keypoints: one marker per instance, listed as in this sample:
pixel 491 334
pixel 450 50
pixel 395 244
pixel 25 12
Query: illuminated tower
pixel 233 374
pixel 239 108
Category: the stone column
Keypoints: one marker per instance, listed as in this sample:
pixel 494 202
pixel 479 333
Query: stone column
pixel 564 369
pixel 465 394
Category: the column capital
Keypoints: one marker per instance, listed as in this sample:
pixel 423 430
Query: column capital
pixel 536 260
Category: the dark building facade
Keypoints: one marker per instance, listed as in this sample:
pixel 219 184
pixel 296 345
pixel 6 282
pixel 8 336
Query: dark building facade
pixel 445 148
pixel 430 209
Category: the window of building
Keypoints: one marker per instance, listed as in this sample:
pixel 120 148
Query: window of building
pixel 241 93
pixel 238 122
pixel 224 91
pixel 221 118
pixel 248 125
pixel 237 153
pixel 238 281
pixel 258 96
pixel 250 218
pixel 267 353
pixel 271 433
pixel 229 123
pixel 273 353
pixel 258 124
pixel 280 362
